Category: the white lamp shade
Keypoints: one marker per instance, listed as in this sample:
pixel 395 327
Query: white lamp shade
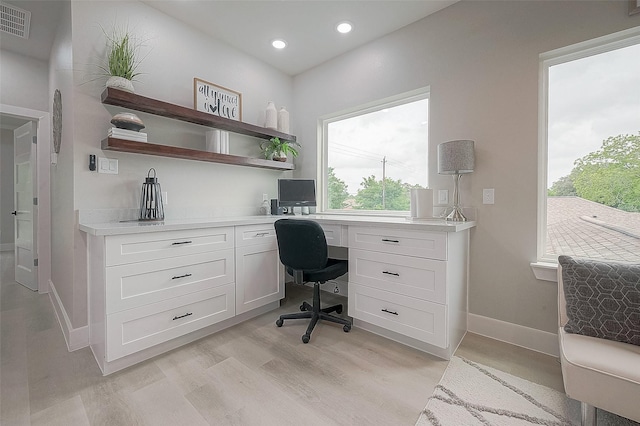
pixel 456 157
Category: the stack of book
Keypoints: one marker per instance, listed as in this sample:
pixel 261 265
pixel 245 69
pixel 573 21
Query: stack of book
pixel 131 135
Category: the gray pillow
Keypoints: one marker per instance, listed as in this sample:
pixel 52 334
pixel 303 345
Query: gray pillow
pixel 603 298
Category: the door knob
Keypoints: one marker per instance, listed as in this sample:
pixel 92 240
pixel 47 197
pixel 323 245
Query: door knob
pixel 14 212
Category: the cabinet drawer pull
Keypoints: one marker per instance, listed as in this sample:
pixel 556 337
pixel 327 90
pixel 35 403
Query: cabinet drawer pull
pixel 389 312
pixel 181 242
pixel 261 234
pixel 386 240
pixel 182 316
pixel 395 274
pixel 181 276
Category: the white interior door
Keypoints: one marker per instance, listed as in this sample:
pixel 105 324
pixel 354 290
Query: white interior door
pixel 24 150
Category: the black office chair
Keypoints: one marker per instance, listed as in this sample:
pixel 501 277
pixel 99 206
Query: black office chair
pixel 303 252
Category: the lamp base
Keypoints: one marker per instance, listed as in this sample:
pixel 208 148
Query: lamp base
pixel 456 215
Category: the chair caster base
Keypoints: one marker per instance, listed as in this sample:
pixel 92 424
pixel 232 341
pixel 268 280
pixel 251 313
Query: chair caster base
pixel 346 328
pixel 279 322
pixel 306 338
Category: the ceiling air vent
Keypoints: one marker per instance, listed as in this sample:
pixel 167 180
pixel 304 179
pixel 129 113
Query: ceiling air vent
pixel 14 20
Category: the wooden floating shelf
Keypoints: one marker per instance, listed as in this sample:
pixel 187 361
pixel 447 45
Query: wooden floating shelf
pixel 124 145
pixel 116 97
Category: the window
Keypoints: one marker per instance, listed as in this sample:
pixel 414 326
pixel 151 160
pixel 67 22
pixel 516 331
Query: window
pixel 589 203
pixel 371 157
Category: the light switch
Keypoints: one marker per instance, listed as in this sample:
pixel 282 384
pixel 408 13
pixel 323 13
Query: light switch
pixel 443 196
pixel 108 165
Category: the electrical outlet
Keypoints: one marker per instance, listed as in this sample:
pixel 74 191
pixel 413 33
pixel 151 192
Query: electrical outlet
pixel 443 196
pixel 165 198
pixel 488 196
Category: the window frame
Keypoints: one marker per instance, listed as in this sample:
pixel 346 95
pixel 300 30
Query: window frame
pixel 547 60
pixel 322 167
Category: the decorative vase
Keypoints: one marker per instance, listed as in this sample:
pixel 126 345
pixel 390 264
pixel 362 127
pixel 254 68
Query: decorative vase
pixel 279 156
pixel 120 83
pixel 283 120
pixel 271 116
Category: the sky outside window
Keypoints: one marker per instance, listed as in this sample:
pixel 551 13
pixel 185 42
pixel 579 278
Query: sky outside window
pixel 393 141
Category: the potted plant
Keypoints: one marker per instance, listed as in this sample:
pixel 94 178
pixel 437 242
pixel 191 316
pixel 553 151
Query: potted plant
pixel 122 59
pixel 278 150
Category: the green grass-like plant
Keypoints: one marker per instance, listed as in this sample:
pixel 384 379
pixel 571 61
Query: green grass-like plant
pixel 122 54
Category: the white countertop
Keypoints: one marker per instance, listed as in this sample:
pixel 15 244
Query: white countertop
pixel 135 227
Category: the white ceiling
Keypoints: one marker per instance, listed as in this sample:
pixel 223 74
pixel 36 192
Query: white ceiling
pixel 45 16
pixel 308 26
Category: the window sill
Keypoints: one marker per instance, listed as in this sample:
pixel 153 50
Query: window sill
pixel 545 271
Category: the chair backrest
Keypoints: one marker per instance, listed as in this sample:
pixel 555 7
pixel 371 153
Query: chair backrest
pixel 301 243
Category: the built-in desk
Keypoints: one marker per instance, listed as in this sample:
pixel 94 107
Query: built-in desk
pixel 157 286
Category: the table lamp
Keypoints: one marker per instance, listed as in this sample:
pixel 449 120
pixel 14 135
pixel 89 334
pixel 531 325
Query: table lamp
pixel 456 158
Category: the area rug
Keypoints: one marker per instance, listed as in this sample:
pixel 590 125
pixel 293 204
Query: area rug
pixel 472 394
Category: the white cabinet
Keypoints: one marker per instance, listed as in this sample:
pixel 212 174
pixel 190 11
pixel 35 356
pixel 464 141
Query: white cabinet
pixel 259 273
pixel 149 288
pixel 152 291
pixel 410 286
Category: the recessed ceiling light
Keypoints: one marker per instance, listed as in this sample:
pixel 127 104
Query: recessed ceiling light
pixel 344 27
pixel 279 44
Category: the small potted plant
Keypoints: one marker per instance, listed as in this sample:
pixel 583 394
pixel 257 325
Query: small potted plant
pixel 278 150
pixel 122 59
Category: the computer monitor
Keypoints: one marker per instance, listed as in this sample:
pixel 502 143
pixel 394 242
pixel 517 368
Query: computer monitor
pixel 296 192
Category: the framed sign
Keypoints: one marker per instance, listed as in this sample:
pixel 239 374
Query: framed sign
pixel 634 7
pixel 217 100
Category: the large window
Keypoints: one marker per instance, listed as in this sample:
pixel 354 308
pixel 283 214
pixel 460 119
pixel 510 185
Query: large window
pixel 373 156
pixel 590 145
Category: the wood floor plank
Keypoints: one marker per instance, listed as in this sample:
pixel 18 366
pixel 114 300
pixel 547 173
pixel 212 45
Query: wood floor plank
pixel 65 413
pixel 14 384
pixel 162 403
pixel 237 395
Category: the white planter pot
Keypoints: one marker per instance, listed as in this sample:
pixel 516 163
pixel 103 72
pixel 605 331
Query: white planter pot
pixel 120 83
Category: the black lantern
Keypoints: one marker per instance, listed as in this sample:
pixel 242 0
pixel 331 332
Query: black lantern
pixel 151 199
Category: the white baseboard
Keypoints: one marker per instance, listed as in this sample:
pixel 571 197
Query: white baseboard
pixel 76 338
pixel 6 247
pixel 525 337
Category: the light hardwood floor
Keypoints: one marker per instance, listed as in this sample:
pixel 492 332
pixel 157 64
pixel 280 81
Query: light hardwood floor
pixel 250 374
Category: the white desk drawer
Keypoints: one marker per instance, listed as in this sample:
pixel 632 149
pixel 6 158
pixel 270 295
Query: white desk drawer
pixel 333 234
pixel 431 245
pixel 137 284
pixel 136 329
pixel 121 249
pixel 422 320
pixel 410 276
pixel 256 234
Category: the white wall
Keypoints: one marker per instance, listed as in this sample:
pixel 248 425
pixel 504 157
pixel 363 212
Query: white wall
pixel 175 55
pixel 6 187
pixel 62 185
pixel 481 61
pixel 24 81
